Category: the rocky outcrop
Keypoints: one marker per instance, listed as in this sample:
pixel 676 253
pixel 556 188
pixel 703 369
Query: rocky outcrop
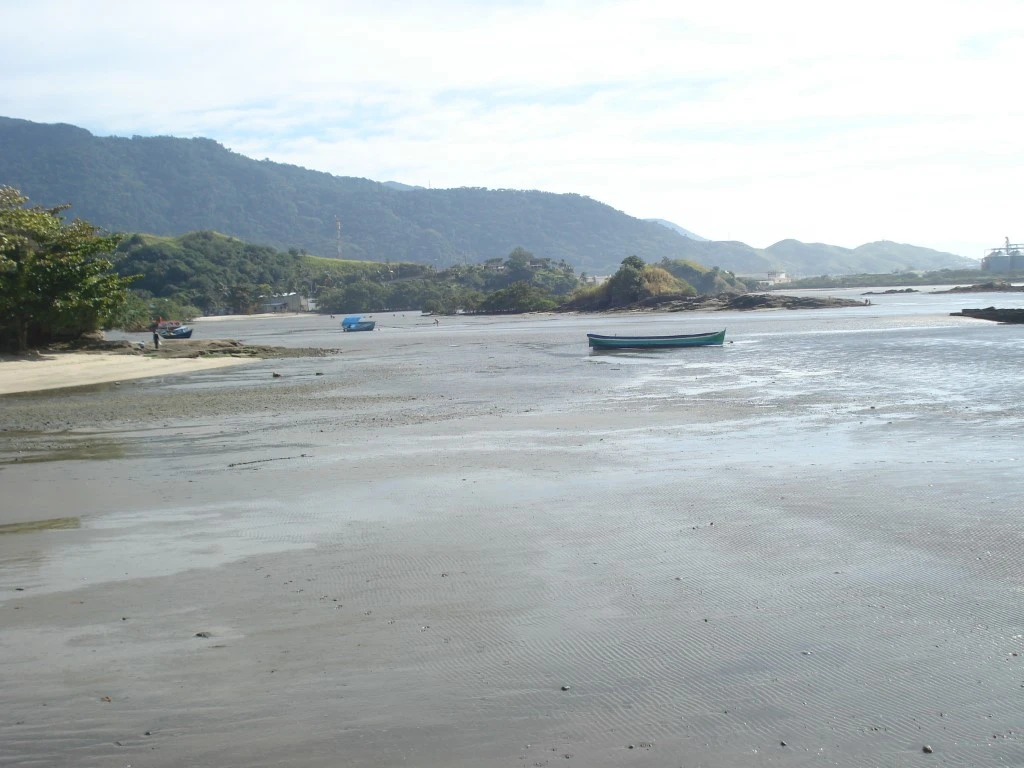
pixel 742 302
pixel 993 287
pixel 992 313
pixel 189 348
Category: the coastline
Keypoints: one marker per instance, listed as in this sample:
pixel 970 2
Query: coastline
pixel 58 370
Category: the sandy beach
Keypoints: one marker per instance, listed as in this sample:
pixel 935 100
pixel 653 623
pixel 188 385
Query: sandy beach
pixel 480 545
pixel 58 370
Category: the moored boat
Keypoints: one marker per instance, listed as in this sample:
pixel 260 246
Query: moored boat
pixel 600 341
pixel 173 329
pixel 356 323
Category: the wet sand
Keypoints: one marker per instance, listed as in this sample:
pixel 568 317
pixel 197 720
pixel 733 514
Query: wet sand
pixel 810 536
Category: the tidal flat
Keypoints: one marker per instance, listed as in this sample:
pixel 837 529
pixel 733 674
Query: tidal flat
pixel 477 544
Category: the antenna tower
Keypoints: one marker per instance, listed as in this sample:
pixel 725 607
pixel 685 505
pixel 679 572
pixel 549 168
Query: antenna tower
pixel 337 226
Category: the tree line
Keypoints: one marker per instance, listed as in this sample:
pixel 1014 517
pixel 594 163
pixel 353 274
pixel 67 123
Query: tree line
pixel 61 279
pixel 56 278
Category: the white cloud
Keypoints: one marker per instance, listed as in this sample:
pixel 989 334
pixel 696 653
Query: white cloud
pixel 742 120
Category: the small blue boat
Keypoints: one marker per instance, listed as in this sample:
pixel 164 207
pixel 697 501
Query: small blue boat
pixel 356 323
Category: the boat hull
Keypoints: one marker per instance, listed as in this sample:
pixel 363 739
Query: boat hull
pixel 365 325
pixel 599 341
pixel 175 331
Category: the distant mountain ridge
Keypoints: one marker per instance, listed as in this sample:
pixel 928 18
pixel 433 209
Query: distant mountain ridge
pixel 400 186
pixel 871 258
pixel 676 228
pixel 170 186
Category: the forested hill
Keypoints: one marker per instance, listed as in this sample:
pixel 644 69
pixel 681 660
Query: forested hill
pixel 170 186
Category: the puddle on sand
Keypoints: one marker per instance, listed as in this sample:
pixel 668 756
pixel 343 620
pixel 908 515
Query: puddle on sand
pixel 53 524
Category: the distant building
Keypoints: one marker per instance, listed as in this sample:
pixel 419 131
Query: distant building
pixel 1009 258
pixel 284 302
pixel 766 279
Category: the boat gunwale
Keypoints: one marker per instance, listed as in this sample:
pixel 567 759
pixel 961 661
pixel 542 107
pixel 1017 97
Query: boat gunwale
pixel 656 338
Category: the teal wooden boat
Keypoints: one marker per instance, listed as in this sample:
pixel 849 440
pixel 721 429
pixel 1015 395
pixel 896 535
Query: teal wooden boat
pixel 598 341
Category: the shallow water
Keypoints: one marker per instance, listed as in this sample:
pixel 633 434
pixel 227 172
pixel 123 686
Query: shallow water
pixel 810 535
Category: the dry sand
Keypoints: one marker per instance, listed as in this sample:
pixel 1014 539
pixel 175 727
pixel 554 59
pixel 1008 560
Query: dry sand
pixel 258 317
pixel 58 370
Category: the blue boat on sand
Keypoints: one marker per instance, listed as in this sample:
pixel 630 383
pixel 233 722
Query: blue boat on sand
pixel 356 323
pixel 599 341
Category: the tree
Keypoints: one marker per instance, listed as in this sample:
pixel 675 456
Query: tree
pixel 518 297
pixel 625 286
pixel 55 277
pixel 633 261
pixel 240 298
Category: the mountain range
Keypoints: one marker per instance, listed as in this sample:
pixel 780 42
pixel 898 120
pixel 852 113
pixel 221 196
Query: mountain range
pixel 164 185
pixel 680 230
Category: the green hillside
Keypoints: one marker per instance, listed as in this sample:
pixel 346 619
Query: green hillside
pixel 209 271
pixel 170 186
pixel 880 257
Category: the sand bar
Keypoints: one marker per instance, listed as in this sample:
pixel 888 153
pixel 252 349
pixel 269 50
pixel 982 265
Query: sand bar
pixel 74 369
pixel 256 316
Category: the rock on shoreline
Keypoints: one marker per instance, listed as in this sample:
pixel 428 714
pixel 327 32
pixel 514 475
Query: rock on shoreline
pixel 998 286
pixel 191 348
pixel 742 302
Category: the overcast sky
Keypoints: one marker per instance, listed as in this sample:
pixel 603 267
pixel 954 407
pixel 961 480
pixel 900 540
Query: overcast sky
pixel 752 121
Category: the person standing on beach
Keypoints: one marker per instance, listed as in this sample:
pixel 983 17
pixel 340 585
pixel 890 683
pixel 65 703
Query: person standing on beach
pixel 156 339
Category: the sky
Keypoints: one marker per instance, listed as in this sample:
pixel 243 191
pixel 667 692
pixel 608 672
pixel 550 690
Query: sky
pixel 738 120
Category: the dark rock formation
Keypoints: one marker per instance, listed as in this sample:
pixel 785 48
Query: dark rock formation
pixel 993 287
pixel 743 302
pixel 992 313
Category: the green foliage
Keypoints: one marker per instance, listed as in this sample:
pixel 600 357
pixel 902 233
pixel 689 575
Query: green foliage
pixel 634 262
pixel 631 284
pixel 655 281
pixel 625 286
pixel 55 279
pixel 139 312
pixel 436 296
pixel 938 277
pixel 518 297
pixel 210 270
pixel 707 281
pixel 171 309
pixel 133 315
